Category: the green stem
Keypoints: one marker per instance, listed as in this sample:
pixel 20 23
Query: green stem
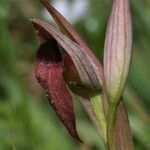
pixel 97 104
pixel 110 125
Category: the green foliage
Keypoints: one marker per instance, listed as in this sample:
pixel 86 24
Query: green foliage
pixel 26 119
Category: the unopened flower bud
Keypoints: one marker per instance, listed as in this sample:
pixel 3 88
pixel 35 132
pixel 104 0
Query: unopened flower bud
pixel 118 49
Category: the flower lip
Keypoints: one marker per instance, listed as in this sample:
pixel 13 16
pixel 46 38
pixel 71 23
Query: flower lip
pixel 49 73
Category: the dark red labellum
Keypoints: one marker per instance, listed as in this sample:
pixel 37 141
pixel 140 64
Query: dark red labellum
pixel 49 73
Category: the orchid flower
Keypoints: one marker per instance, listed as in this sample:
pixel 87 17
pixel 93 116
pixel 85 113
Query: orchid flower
pixel 65 65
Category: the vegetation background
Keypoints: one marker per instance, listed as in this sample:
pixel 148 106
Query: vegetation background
pixel 27 122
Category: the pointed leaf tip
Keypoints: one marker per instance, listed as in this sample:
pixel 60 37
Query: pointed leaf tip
pixel 48 70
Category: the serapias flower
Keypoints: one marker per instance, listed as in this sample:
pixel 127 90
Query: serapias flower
pixel 63 63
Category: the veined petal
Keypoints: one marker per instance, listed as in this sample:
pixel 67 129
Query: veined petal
pixel 68 30
pixel 117 51
pixel 89 74
pixel 64 24
pixel 49 73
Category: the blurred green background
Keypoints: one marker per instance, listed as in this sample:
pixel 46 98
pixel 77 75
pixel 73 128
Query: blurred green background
pixel 27 122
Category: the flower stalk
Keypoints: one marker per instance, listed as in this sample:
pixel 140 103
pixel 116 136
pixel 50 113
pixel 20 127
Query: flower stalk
pixel 98 109
pixel 110 126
